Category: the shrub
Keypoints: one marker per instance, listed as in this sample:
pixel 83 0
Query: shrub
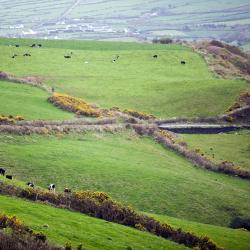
pixel 140 115
pixel 239 222
pixel 73 104
pixel 10 119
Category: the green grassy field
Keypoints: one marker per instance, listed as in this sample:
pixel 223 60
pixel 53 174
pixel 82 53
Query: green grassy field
pixel 233 147
pixel 230 239
pixel 64 226
pixel 29 102
pixel 94 233
pixel 135 80
pixel 133 170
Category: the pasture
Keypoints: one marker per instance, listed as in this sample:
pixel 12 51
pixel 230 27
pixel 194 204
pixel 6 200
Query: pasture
pixel 133 170
pixel 135 81
pixel 65 226
pixel 29 102
pixel 233 147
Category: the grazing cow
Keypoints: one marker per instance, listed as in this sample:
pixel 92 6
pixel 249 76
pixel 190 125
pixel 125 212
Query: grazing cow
pixel 155 56
pixel 2 171
pixel 183 62
pixel 15 55
pixel 52 187
pixel 67 56
pixel 26 54
pixel 67 190
pixel 9 177
pixel 33 45
pixel 17 45
pixel 30 184
pixel 39 45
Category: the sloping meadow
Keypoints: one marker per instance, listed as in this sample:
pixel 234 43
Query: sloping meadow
pixel 134 170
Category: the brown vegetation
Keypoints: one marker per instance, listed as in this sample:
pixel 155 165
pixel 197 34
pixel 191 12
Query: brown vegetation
pixel 225 60
pixel 20 237
pixel 140 115
pixel 100 205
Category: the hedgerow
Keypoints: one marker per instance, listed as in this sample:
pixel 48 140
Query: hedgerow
pixel 140 115
pixel 74 104
pixel 10 119
pixel 100 205
pixel 167 140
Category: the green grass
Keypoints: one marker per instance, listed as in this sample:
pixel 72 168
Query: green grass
pixel 134 171
pixel 233 147
pixel 93 233
pixel 29 102
pixel 135 81
pixel 230 239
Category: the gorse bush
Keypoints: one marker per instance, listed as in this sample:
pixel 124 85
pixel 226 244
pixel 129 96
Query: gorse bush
pixel 10 119
pixel 140 115
pixel 20 237
pixel 100 205
pixel 74 104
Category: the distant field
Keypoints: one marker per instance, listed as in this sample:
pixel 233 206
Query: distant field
pixel 118 19
pixel 160 86
pixel 233 147
pixel 29 102
pixel 64 226
pixel 133 170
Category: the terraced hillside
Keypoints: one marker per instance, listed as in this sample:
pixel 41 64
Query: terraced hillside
pixel 134 169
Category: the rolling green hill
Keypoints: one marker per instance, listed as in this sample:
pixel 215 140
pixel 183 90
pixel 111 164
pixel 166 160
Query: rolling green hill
pixel 29 102
pixel 64 226
pixel 133 170
pixel 135 80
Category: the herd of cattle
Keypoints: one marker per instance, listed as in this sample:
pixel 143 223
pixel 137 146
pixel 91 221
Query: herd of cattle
pixel 68 56
pixel 51 187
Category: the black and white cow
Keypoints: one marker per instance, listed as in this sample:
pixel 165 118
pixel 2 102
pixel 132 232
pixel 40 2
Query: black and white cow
pixel 52 187
pixel 30 184
pixel 2 171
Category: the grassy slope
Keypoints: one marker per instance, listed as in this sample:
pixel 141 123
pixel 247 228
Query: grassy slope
pixel 133 170
pixel 230 239
pixel 67 226
pixel 233 147
pixel 135 81
pixel 29 102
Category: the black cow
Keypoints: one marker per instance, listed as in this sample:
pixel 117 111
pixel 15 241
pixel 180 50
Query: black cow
pixel 15 55
pixel 26 54
pixel 52 187
pixel 17 45
pixel 67 190
pixel 67 56
pixel 9 177
pixel 183 62
pixel 39 45
pixel 2 171
pixel 30 184
pixel 33 45
pixel 155 56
